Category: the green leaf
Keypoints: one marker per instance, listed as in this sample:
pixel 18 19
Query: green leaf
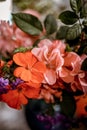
pixel 50 24
pixel 83 48
pixel 73 32
pixel 85 22
pixel 76 5
pixel 68 105
pixel 21 49
pixel 68 48
pixel 68 17
pixel 83 11
pixel 28 23
pixel 84 65
pixel 61 33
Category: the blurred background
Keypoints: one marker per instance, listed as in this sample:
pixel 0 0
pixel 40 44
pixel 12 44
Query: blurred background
pixel 11 119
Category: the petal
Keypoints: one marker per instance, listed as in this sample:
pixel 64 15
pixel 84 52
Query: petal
pixel 50 76
pixel 81 104
pixel 14 99
pixel 73 61
pixel 56 59
pixel 24 59
pixel 34 85
pixel 65 75
pixel 23 73
pixel 19 59
pixel 31 92
pixel 40 67
pixel 36 77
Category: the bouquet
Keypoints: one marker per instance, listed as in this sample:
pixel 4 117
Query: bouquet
pixel 43 61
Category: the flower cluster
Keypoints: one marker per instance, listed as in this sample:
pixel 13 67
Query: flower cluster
pixel 36 65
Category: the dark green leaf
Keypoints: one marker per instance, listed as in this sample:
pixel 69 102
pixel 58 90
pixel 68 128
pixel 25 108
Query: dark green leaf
pixel 50 24
pixel 83 48
pixel 76 5
pixel 73 32
pixel 68 17
pixel 85 22
pixel 83 11
pixel 28 23
pixel 68 105
pixel 61 33
pixel 73 42
pixel 84 65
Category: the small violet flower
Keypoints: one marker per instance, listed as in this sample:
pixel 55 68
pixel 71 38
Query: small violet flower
pixel 3 85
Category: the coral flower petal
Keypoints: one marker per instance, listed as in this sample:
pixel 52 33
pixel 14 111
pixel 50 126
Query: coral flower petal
pixel 24 59
pixel 65 75
pixel 32 92
pixel 37 77
pixel 23 73
pixel 34 85
pixel 40 66
pixel 81 105
pixel 14 99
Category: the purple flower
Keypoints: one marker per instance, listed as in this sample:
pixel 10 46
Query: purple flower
pixel 3 85
pixel 16 83
pixel 54 122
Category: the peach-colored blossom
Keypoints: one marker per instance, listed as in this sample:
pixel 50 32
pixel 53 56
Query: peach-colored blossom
pixel 50 52
pixel 80 81
pixel 71 67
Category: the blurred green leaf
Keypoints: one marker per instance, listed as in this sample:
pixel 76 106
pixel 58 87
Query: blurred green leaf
pixel 68 48
pixel 68 17
pixel 21 49
pixel 84 65
pixel 50 24
pixel 83 11
pixel 28 23
pixel 85 21
pixel 61 33
pixel 73 32
pixel 68 105
pixel 83 48
pixel 76 5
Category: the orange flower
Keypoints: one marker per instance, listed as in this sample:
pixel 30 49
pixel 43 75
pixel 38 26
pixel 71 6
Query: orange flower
pixel 30 68
pixel 81 106
pixel 18 97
